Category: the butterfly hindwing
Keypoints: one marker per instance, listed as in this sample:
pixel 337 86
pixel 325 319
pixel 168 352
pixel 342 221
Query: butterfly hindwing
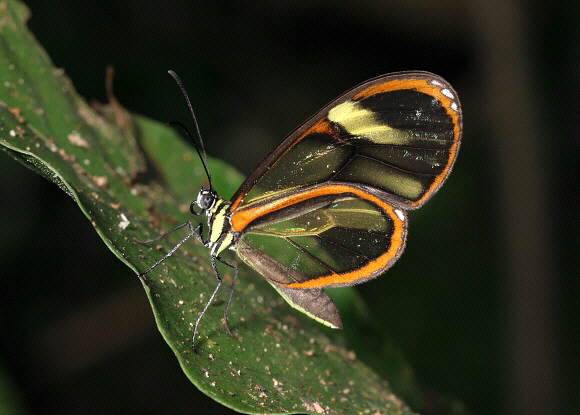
pixel 324 235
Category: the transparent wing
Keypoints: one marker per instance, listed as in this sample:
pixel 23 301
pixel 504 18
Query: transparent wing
pixel 397 134
pixel 328 235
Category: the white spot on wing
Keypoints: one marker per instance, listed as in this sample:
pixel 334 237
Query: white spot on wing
pixel 454 106
pixel 400 214
pixel 447 93
pixel 436 82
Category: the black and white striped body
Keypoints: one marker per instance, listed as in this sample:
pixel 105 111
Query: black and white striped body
pixel 220 234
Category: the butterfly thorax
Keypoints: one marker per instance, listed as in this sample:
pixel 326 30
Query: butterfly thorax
pixel 220 235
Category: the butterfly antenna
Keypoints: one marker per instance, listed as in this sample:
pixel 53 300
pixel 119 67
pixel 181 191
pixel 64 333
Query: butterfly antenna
pixel 184 128
pixel 202 154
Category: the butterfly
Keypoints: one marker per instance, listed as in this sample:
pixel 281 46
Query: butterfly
pixel 328 206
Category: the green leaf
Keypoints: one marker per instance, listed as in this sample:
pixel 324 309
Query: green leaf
pixel 133 178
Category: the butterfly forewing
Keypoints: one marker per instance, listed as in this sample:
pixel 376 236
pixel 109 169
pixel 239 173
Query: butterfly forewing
pixel 398 134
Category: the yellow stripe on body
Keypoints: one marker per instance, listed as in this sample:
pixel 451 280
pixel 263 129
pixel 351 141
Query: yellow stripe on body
pixel 227 241
pixel 218 221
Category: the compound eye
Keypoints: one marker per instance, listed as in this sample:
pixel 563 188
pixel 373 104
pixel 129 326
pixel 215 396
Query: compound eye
pixel 205 199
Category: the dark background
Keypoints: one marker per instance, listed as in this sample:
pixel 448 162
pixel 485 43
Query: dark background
pixel 484 303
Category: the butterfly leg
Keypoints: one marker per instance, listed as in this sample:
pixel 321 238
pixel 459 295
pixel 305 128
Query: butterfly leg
pixel 192 232
pixel 219 279
pixel 235 267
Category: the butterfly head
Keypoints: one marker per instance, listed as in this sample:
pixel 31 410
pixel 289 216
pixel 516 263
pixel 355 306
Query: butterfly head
pixel 206 198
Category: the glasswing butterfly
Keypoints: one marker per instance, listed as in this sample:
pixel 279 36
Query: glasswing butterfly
pixel 328 206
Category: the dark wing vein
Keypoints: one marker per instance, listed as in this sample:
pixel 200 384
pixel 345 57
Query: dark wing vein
pixel 401 146
pixel 384 163
pixel 315 258
pixel 336 173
